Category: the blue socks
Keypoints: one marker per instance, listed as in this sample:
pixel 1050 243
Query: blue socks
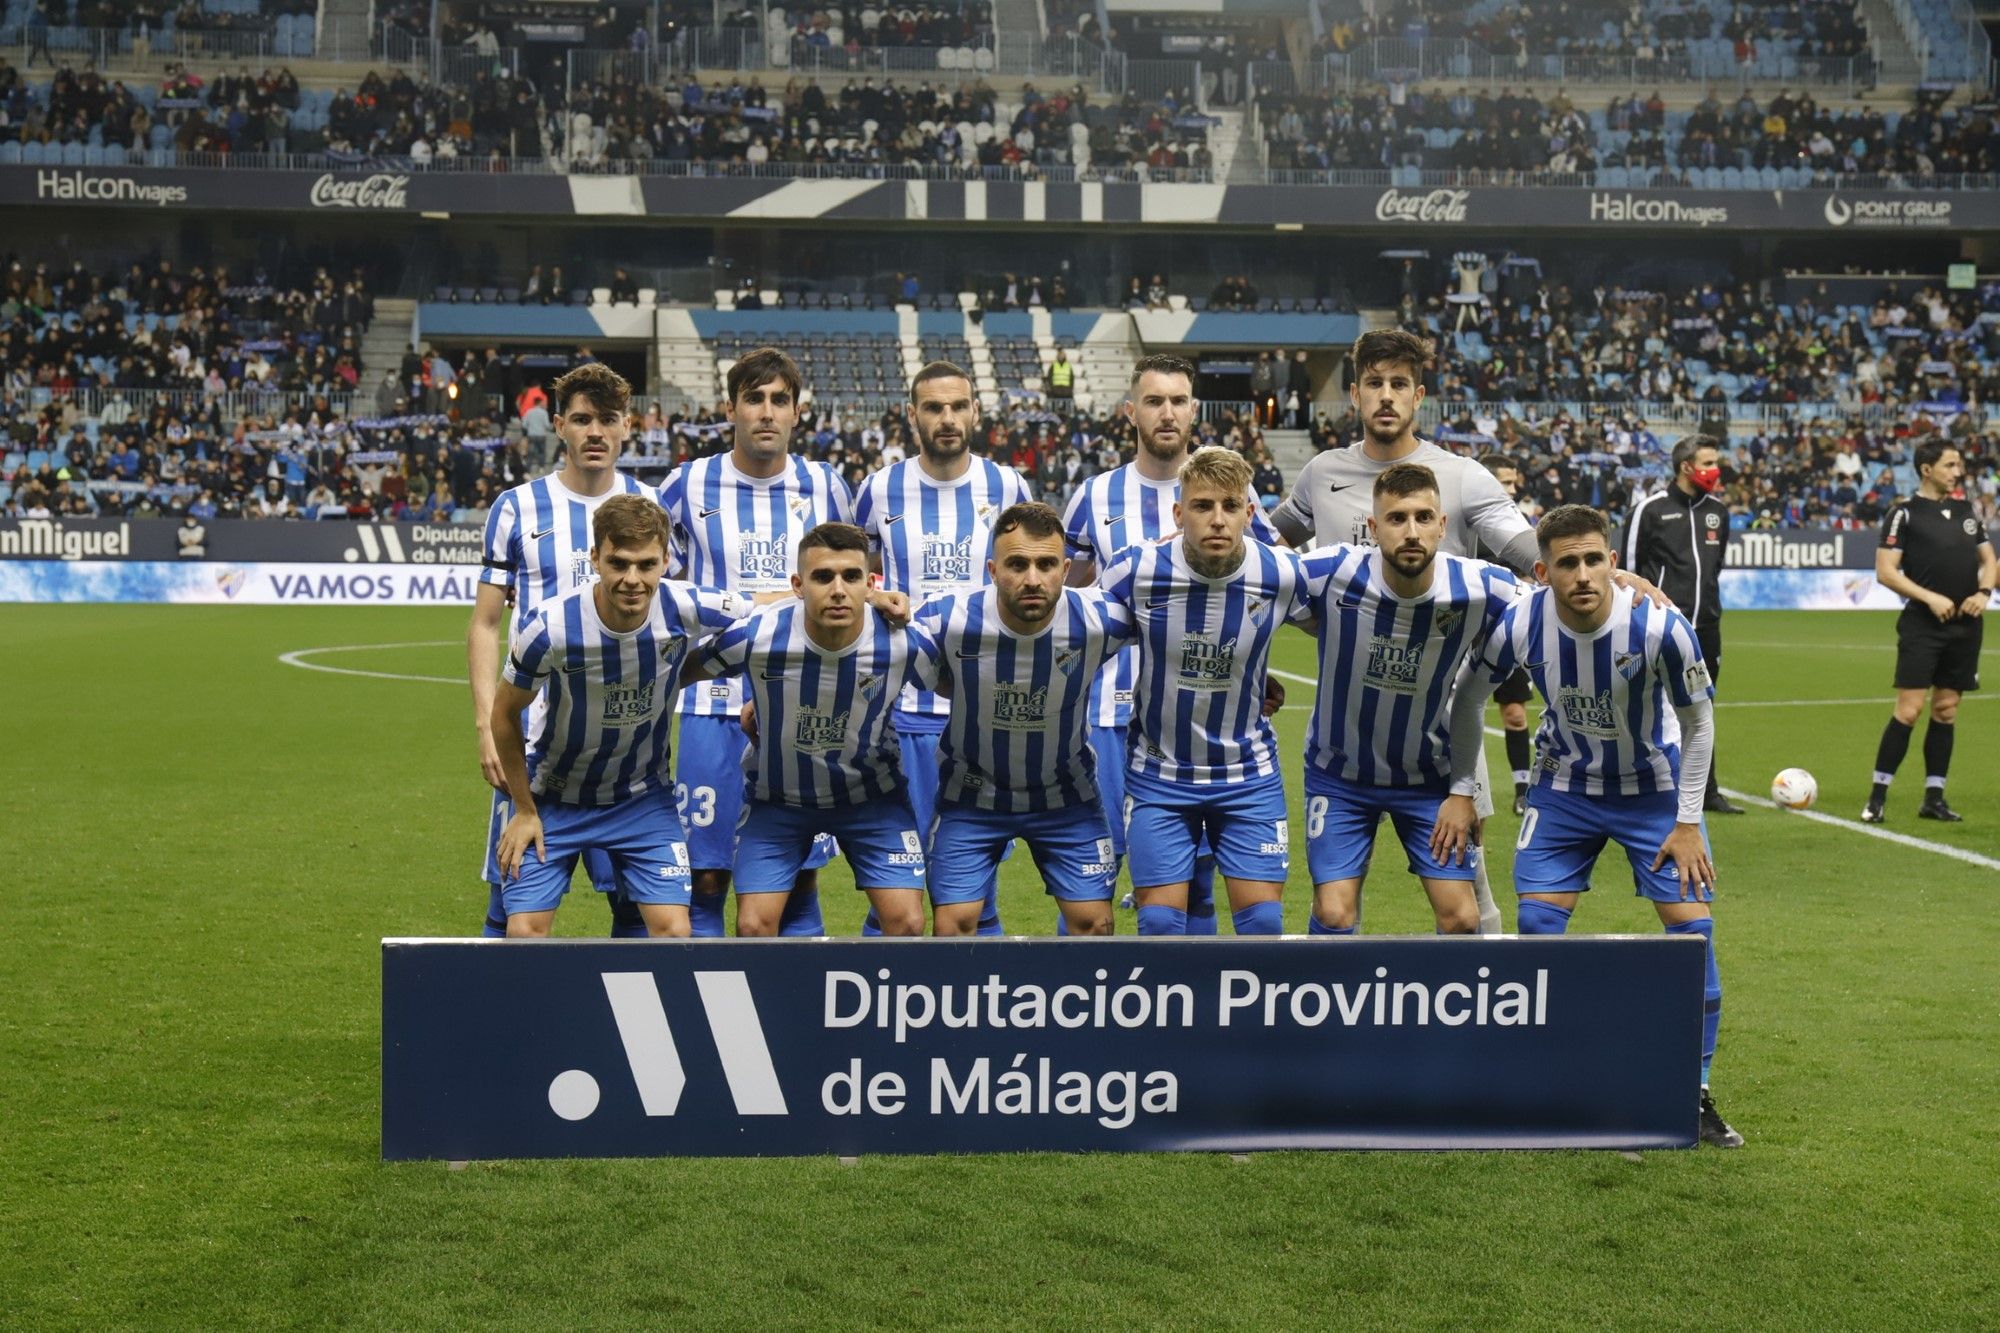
pixel 801 916
pixel 1315 926
pixel 871 926
pixel 1201 897
pixel 1539 918
pixel 1711 1009
pixel 1162 921
pixel 627 921
pixel 989 915
pixel 496 914
pixel 705 914
pixel 1260 919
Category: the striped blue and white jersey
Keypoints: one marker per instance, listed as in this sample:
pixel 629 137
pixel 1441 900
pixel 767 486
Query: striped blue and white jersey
pixel 1113 511
pixel 604 734
pixel 934 537
pixel 538 539
pixel 1609 728
pixel 742 533
pixel 1382 715
pixel 1019 736
pixel 1202 647
pixel 823 736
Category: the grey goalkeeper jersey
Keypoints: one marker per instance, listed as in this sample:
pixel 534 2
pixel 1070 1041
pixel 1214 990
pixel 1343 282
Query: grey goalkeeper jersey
pixel 1334 497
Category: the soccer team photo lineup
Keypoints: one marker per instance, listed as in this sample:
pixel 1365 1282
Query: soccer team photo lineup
pixel 996 663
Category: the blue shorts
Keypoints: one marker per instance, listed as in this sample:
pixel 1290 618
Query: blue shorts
pixel 920 770
pixel 640 838
pixel 708 788
pixel 598 865
pixel 1562 833
pixel 1112 763
pixel 878 838
pixel 1072 848
pixel 1340 827
pixel 1244 822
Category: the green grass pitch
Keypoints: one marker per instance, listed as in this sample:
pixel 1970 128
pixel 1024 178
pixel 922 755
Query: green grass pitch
pixel 204 846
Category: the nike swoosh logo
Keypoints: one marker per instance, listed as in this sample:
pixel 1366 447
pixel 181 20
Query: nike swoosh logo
pixel 1335 490
pixel 537 536
pixel 1155 606
pixel 709 513
pixel 891 518
pixel 967 657
pixel 774 675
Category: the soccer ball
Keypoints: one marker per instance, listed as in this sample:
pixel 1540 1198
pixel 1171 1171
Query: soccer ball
pixel 1794 789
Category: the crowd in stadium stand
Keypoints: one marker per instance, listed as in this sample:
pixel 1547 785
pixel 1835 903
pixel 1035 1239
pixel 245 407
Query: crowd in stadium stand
pixel 1830 28
pixel 867 27
pixel 616 127
pixel 1473 131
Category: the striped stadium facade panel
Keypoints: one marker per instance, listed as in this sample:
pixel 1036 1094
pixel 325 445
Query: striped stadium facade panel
pixel 1408 211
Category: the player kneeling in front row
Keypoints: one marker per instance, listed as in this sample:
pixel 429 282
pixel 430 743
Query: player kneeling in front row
pixel 598 774
pixel 823 673
pixel 1396 622
pixel 1017 659
pixel 1625 745
pixel 1205 606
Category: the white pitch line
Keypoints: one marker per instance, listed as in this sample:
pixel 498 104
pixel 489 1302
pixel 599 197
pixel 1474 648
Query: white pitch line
pixel 296 658
pixel 1875 831
pixel 1871 830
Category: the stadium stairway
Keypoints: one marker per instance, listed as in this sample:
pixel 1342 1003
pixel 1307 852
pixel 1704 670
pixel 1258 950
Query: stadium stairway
pixel 1291 450
pixel 345 27
pixel 388 337
pixel 1230 143
pixel 1893 53
pixel 1017 31
pixel 687 368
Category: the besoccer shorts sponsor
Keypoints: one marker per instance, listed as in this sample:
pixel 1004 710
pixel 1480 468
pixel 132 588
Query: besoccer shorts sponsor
pixel 595 863
pixel 878 838
pixel 1072 848
pixel 708 786
pixel 1340 827
pixel 1933 653
pixel 640 839
pixel 1245 823
pixel 1563 832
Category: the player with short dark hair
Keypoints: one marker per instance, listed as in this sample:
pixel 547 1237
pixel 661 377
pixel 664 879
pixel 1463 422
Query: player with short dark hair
pixel 1017 658
pixel 1678 538
pixel 536 548
pixel 597 776
pixel 1515 691
pixel 1624 742
pixel 737 518
pixel 1396 620
pixel 929 521
pixel 824 672
pixel 1935 553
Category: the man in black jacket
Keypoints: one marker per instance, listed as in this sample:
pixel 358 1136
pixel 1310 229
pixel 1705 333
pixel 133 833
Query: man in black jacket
pixel 1677 539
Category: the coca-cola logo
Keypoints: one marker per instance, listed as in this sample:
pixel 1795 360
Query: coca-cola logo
pixel 381 190
pixel 1437 206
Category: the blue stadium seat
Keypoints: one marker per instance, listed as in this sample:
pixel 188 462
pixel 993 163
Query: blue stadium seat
pixel 35 153
pixel 10 152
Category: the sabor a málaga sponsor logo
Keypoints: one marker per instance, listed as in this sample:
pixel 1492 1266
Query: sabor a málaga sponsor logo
pixel 82 186
pixel 381 190
pixel 1434 206
pixel 1626 207
pixel 1912 211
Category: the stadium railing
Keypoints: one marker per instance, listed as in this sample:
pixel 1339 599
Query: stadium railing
pixel 717 49
pixel 103 47
pixel 233 404
pixel 1678 415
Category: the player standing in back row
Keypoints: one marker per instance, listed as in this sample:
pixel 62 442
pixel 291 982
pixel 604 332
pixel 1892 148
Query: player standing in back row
pixel 737 519
pixel 1333 498
pixel 1119 509
pixel 1935 553
pixel 929 521
pixel 537 548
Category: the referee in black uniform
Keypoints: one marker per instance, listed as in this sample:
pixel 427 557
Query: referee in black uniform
pixel 1677 539
pixel 1517 691
pixel 1935 553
